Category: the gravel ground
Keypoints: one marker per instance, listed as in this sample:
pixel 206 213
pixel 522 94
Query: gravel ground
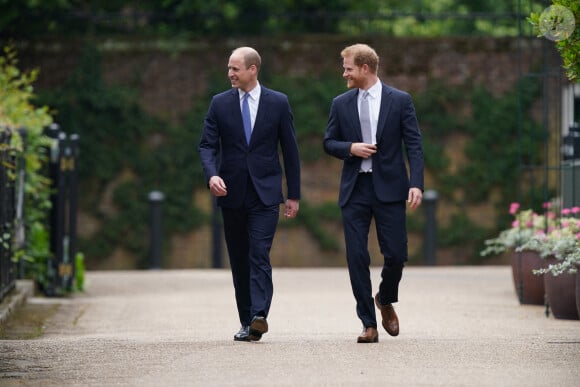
pixel 460 326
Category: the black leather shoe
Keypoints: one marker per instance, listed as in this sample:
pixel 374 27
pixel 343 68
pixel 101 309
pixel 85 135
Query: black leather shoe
pixel 258 327
pixel 243 334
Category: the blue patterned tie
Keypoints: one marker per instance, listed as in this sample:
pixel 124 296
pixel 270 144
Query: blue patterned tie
pixel 246 118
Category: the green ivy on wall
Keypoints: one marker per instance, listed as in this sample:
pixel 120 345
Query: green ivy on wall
pixel 129 153
pixel 495 151
pixel 311 104
pixel 126 154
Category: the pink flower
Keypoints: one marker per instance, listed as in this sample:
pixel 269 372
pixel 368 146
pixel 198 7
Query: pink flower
pixel 578 235
pixel 541 235
pixel 514 207
pixel 575 210
pixel 546 204
pixel 515 224
pixel 565 211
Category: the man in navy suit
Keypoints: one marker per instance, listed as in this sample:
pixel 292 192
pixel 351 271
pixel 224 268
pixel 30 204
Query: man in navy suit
pixel 375 181
pixel 239 153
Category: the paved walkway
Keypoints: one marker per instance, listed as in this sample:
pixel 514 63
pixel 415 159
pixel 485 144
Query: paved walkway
pixel 460 326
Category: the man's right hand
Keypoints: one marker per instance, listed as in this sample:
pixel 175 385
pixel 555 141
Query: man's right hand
pixel 362 149
pixel 217 186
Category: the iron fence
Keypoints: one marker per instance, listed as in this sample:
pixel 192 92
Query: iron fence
pixel 7 213
pixel 59 271
pixel 63 214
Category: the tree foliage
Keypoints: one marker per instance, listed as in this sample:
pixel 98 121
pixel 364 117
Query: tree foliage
pixel 18 111
pixel 194 18
pixel 569 48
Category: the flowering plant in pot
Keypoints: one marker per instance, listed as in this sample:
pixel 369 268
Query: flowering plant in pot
pixel 560 247
pixel 525 225
pixel 561 241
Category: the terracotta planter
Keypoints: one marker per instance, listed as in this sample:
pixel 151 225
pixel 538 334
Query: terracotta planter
pixel 561 294
pixel 529 287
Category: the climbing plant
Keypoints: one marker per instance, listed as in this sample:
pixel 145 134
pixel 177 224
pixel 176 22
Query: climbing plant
pixel 126 153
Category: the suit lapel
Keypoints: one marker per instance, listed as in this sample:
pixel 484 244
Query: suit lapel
pixel 262 109
pixel 384 112
pixel 237 114
pixel 353 115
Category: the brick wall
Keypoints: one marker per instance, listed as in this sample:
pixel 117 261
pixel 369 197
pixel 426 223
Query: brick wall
pixel 171 80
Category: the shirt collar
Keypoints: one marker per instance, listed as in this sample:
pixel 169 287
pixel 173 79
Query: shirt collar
pixel 374 90
pixel 254 93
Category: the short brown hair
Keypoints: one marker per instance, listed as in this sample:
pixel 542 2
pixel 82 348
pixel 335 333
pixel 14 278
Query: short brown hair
pixel 362 54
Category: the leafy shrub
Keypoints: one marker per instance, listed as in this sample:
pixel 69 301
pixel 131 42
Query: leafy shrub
pixel 17 111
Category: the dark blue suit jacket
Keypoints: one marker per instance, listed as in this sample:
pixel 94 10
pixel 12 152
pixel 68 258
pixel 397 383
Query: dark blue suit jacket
pixel 397 125
pixel 224 151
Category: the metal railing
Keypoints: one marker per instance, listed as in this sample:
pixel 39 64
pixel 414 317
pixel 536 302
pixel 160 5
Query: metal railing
pixel 7 213
pixel 62 171
pixel 63 215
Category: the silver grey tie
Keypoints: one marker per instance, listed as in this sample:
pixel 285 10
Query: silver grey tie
pixel 365 125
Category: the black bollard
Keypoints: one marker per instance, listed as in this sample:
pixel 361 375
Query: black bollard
pixel 430 243
pixel 156 200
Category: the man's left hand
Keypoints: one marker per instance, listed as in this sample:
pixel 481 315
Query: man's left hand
pixel 415 197
pixel 292 206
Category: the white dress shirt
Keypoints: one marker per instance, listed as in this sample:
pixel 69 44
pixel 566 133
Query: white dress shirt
pixel 375 93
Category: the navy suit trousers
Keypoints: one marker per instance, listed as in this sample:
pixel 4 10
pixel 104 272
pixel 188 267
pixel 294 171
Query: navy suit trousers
pixel 357 213
pixel 249 232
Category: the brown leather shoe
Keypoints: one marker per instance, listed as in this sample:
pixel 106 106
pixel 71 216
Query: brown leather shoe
pixel 368 335
pixel 390 319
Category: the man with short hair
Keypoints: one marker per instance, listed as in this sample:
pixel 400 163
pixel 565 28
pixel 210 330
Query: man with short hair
pixel 367 127
pixel 242 131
